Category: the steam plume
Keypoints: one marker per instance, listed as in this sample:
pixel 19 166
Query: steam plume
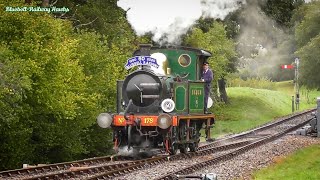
pixel 168 19
pixel 262 45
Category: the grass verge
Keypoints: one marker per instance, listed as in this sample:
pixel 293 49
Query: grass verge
pixel 303 164
pixel 249 107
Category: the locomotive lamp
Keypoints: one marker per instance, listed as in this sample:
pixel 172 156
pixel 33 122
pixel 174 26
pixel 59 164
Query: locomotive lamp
pixel 167 105
pixel 164 121
pixel 168 71
pixel 104 120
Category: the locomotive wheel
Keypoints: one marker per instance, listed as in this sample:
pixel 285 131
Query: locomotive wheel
pixel 129 136
pixel 183 136
pixel 194 147
pixel 172 147
pixel 183 148
pixel 135 150
pixel 195 135
pixel 173 150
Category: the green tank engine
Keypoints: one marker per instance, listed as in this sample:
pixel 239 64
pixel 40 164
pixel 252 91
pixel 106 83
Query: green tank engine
pixel 161 103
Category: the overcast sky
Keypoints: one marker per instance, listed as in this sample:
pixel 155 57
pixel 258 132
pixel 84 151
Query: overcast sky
pixel 173 17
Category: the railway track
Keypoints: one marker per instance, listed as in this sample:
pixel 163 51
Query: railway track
pixel 257 134
pixel 108 164
pixel 83 168
pixel 107 167
pixel 118 172
pixel 291 124
pixel 46 169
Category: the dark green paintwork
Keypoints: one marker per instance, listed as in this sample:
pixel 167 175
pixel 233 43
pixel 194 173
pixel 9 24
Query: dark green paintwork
pixel 196 97
pixel 185 103
pixel 180 96
pixel 188 96
pixel 176 69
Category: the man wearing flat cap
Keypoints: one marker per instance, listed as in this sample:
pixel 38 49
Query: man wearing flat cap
pixel 206 76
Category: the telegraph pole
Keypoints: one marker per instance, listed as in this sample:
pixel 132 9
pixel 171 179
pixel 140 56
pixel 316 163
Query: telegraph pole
pixel 296 85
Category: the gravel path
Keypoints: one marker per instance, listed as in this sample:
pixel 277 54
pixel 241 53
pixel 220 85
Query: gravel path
pixel 239 167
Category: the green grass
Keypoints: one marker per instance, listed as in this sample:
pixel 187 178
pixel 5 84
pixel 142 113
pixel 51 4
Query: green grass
pixel 249 107
pixel 285 86
pixel 308 97
pixel 304 164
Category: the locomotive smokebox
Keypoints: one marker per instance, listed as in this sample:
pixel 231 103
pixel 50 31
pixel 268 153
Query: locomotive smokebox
pixel 142 87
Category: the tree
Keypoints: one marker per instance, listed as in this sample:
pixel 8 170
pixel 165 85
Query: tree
pixel 281 11
pixel 15 132
pixel 56 76
pixel 103 17
pixel 44 97
pixel 222 49
pixel 310 63
pixel 309 26
pixel 307 35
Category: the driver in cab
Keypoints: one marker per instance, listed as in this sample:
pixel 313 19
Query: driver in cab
pixel 206 76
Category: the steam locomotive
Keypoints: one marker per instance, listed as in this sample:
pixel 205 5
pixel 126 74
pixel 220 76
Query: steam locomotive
pixel 161 104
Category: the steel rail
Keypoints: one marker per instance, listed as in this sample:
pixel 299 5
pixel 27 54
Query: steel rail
pixel 121 171
pixel 97 169
pixel 255 130
pixel 62 170
pixel 212 147
pixel 57 166
pixel 231 154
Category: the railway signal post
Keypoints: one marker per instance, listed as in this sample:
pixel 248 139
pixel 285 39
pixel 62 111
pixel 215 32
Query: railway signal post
pixel 295 98
pixel 296 84
pixel 318 116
